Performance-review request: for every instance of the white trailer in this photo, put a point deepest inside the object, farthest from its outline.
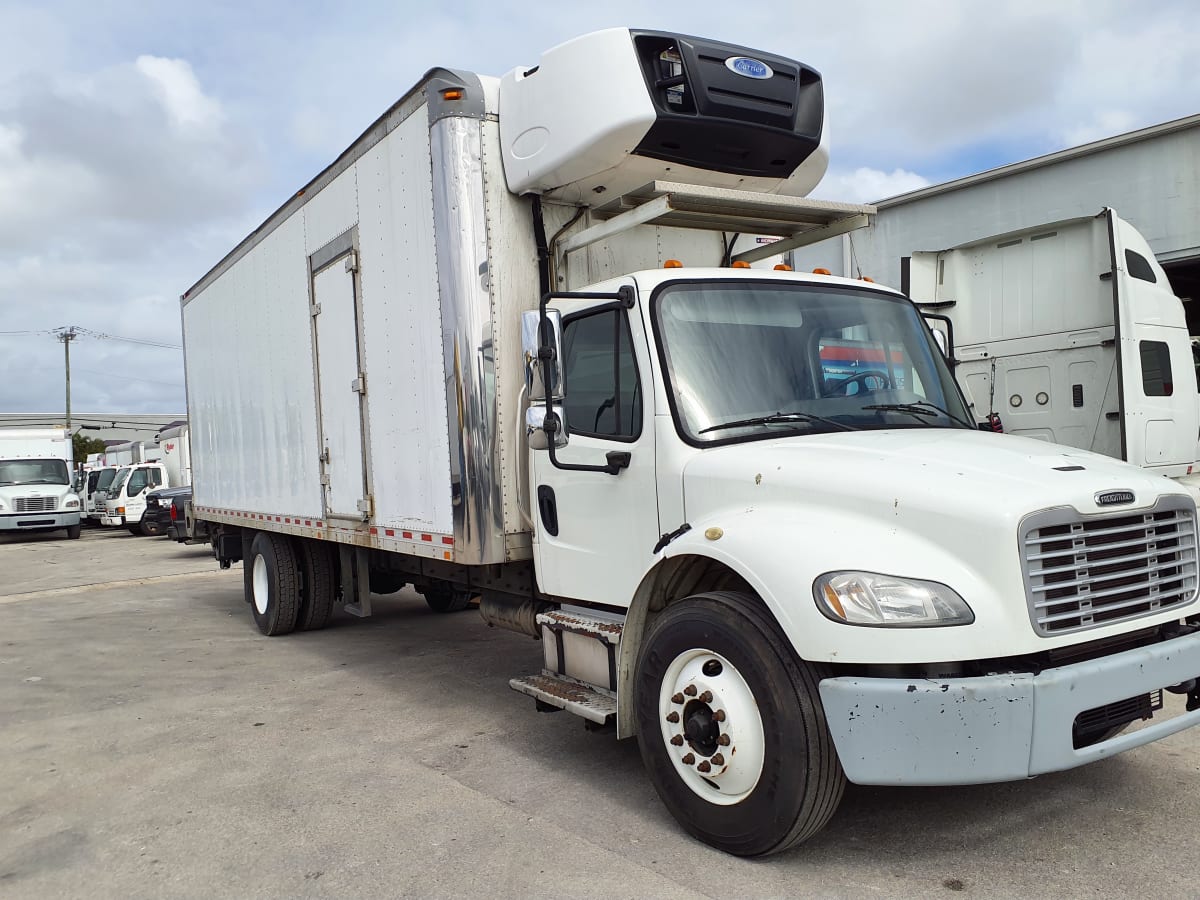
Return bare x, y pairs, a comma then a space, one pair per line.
36, 493
468, 357
1070, 333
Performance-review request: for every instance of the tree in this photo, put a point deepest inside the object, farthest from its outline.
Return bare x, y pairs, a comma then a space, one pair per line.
85, 445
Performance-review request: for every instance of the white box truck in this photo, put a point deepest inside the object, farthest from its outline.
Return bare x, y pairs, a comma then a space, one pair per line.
1070, 333
36, 493
469, 356
176, 454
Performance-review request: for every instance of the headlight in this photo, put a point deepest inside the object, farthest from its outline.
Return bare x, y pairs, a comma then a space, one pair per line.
865, 598
73, 503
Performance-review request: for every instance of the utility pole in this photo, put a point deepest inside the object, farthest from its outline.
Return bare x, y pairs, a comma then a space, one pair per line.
66, 335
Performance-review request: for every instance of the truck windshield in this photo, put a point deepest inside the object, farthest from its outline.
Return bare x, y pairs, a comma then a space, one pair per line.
105, 479
750, 360
118, 482
34, 471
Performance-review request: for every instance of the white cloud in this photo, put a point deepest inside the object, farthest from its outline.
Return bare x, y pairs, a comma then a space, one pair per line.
176, 85
864, 184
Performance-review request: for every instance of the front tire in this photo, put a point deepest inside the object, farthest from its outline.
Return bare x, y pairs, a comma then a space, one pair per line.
731, 728
273, 583
445, 599
73, 532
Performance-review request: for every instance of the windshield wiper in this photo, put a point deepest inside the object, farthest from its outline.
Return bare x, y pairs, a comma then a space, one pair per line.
779, 418
919, 408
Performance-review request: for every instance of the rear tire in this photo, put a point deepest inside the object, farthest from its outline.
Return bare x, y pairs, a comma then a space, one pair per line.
715, 676
447, 599
73, 532
273, 583
318, 584
381, 581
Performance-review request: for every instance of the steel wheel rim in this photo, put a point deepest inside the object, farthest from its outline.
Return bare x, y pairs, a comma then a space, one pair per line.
261, 585
711, 727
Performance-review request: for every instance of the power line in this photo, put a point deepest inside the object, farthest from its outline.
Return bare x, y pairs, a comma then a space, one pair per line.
116, 337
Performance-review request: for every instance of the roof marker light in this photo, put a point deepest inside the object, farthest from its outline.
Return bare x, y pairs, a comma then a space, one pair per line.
782, 268
820, 271
672, 264
452, 94
740, 264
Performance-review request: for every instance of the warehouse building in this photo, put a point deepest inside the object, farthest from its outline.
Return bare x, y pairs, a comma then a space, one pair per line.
1151, 177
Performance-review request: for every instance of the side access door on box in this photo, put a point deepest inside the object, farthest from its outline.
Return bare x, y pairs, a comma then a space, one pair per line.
341, 381
1070, 332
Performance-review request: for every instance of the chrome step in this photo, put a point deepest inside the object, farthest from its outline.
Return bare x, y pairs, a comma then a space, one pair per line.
569, 695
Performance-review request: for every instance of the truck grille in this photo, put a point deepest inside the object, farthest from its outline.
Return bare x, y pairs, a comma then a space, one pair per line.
1085, 572
34, 504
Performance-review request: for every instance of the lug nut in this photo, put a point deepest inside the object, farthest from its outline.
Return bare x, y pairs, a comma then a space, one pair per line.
719, 715
677, 698
718, 759
673, 717
706, 697
688, 760
723, 740
690, 690
677, 741
704, 767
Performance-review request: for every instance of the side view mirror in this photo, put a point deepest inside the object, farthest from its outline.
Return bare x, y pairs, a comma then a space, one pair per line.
537, 432
542, 345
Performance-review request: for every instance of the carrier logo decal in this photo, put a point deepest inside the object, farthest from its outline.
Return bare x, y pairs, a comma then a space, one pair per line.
1113, 498
750, 68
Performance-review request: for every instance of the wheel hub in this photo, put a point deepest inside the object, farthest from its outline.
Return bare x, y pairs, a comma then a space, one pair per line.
711, 726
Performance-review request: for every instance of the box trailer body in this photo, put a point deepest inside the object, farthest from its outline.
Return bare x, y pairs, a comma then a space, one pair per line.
1070, 332
176, 454
36, 492
739, 505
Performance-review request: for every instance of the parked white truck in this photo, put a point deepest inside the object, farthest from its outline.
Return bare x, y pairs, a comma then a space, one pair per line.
467, 357
125, 498
36, 493
1070, 332
176, 450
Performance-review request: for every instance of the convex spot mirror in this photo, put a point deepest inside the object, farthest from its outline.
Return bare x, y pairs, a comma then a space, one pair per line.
542, 346
536, 420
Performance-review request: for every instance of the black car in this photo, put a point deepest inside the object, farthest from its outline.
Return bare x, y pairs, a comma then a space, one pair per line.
164, 508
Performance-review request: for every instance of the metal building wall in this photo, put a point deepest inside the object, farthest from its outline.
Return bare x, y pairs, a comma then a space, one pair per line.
1151, 177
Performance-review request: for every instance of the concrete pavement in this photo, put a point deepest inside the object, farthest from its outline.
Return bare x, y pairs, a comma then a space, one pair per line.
153, 743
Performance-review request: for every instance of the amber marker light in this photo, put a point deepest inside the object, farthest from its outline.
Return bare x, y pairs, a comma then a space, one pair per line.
672, 264
835, 604
821, 272
452, 94
782, 268
740, 264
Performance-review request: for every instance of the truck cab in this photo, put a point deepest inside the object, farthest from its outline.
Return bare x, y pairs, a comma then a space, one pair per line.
36, 490
125, 501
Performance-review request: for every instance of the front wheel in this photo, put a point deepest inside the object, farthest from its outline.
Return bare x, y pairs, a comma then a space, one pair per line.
731, 727
73, 532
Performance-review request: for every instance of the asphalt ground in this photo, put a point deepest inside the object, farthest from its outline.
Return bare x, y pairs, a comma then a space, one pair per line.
154, 744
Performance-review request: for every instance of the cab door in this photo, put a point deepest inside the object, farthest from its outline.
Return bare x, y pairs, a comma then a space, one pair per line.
595, 532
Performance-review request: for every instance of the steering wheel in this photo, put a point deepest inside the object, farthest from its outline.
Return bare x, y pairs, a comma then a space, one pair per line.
859, 378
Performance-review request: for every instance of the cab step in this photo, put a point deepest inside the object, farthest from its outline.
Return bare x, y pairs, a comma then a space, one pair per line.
582, 644
564, 693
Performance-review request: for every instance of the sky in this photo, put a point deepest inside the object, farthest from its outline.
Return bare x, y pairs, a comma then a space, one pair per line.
140, 140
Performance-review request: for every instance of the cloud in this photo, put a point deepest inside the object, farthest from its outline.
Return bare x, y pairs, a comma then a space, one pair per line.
864, 184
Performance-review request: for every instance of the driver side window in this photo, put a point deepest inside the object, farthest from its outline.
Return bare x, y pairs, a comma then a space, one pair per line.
600, 377
137, 483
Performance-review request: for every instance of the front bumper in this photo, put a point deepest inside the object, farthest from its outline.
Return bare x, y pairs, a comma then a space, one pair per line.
112, 520
38, 520
997, 727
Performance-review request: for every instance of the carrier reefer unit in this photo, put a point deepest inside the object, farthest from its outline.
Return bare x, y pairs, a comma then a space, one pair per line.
36, 493
739, 505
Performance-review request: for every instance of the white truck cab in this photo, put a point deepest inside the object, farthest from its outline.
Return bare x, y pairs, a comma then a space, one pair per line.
36, 491
125, 500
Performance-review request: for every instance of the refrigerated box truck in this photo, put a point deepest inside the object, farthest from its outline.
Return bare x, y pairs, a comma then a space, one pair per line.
36, 493
518, 342
176, 454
